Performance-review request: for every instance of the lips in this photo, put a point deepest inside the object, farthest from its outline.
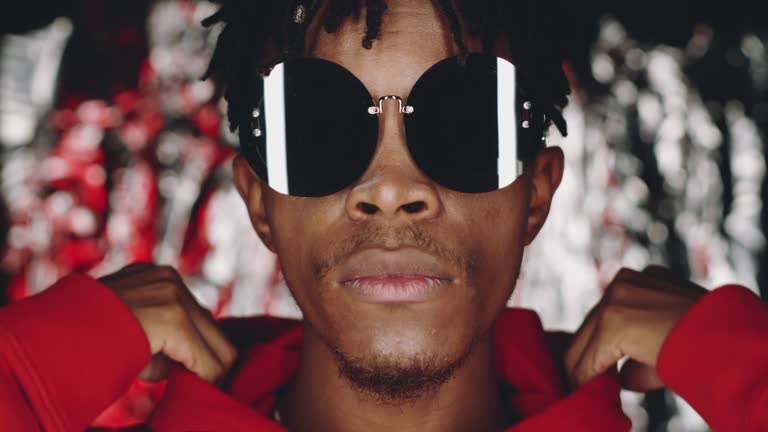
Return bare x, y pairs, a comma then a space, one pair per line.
394, 276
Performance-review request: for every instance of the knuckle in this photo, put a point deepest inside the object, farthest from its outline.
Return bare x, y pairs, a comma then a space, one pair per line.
172, 278
625, 272
618, 291
610, 293
167, 290
622, 290
613, 315
174, 313
167, 271
230, 356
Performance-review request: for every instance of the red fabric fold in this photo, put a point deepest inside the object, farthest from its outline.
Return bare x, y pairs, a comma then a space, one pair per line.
67, 353
523, 361
716, 358
72, 350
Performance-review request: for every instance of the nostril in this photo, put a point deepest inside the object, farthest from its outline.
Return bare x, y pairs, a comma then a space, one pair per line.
367, 208
414, 207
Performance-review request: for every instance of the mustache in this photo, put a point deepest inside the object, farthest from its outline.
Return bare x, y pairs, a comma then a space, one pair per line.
404, 236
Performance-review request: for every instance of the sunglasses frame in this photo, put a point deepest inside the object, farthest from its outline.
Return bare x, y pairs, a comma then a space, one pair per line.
510, 166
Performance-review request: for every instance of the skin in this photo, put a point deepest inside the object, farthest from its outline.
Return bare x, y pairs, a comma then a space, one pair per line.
633, 319
177, 327
479, 237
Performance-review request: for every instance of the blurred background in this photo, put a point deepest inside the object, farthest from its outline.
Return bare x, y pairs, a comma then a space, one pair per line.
112, 151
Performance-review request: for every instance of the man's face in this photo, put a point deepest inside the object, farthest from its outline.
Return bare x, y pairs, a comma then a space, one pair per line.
396, 274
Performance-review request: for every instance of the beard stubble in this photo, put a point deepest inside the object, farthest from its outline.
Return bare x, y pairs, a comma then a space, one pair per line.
395, 381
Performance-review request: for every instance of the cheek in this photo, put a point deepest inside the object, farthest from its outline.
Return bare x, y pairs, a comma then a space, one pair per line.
503, 234
495, 230
301, 229
485, 230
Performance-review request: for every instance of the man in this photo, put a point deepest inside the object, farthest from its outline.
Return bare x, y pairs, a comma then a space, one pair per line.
398, 181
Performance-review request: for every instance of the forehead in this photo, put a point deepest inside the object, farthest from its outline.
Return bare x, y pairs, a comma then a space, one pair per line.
414, 35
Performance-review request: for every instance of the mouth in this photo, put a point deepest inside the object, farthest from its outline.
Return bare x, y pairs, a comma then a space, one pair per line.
395, 276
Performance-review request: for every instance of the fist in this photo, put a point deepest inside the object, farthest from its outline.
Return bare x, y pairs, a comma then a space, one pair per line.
632, 320
176, 326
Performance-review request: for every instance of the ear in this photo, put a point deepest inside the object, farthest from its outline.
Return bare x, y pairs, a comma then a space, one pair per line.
250, 188
546, 176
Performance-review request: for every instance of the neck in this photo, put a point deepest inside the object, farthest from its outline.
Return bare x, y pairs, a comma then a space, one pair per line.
320, 398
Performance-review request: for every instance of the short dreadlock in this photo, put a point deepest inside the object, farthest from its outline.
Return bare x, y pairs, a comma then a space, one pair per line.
261, 33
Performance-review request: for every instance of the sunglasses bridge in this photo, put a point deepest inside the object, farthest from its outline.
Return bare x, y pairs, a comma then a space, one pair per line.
405, 109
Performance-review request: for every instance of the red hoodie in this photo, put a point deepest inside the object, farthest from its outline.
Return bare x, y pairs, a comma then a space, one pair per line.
69, 352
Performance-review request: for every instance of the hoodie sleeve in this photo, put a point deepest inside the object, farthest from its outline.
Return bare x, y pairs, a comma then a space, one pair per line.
716, 358
65, 355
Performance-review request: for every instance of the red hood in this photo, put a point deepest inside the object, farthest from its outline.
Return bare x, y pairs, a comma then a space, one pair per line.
527, 360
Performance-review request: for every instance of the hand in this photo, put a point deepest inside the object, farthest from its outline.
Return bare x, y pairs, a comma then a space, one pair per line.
633, 319
176, 326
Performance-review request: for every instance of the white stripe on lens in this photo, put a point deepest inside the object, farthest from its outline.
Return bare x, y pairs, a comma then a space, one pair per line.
274, 108
506, 100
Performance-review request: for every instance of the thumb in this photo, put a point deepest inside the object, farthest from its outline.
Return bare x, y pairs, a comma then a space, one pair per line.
639, 377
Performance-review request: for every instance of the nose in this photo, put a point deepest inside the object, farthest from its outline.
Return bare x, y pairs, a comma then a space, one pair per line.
392, 194
393, 186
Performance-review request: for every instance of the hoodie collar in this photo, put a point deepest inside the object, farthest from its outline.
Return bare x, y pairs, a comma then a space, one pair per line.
526, 362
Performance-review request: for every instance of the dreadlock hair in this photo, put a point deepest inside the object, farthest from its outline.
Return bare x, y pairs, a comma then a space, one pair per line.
262, 33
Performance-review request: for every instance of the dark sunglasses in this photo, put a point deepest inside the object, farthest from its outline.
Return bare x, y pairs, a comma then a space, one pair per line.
468, 126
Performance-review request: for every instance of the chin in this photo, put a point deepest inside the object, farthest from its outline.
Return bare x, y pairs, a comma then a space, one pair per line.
396, 351
400, 361
405, 332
